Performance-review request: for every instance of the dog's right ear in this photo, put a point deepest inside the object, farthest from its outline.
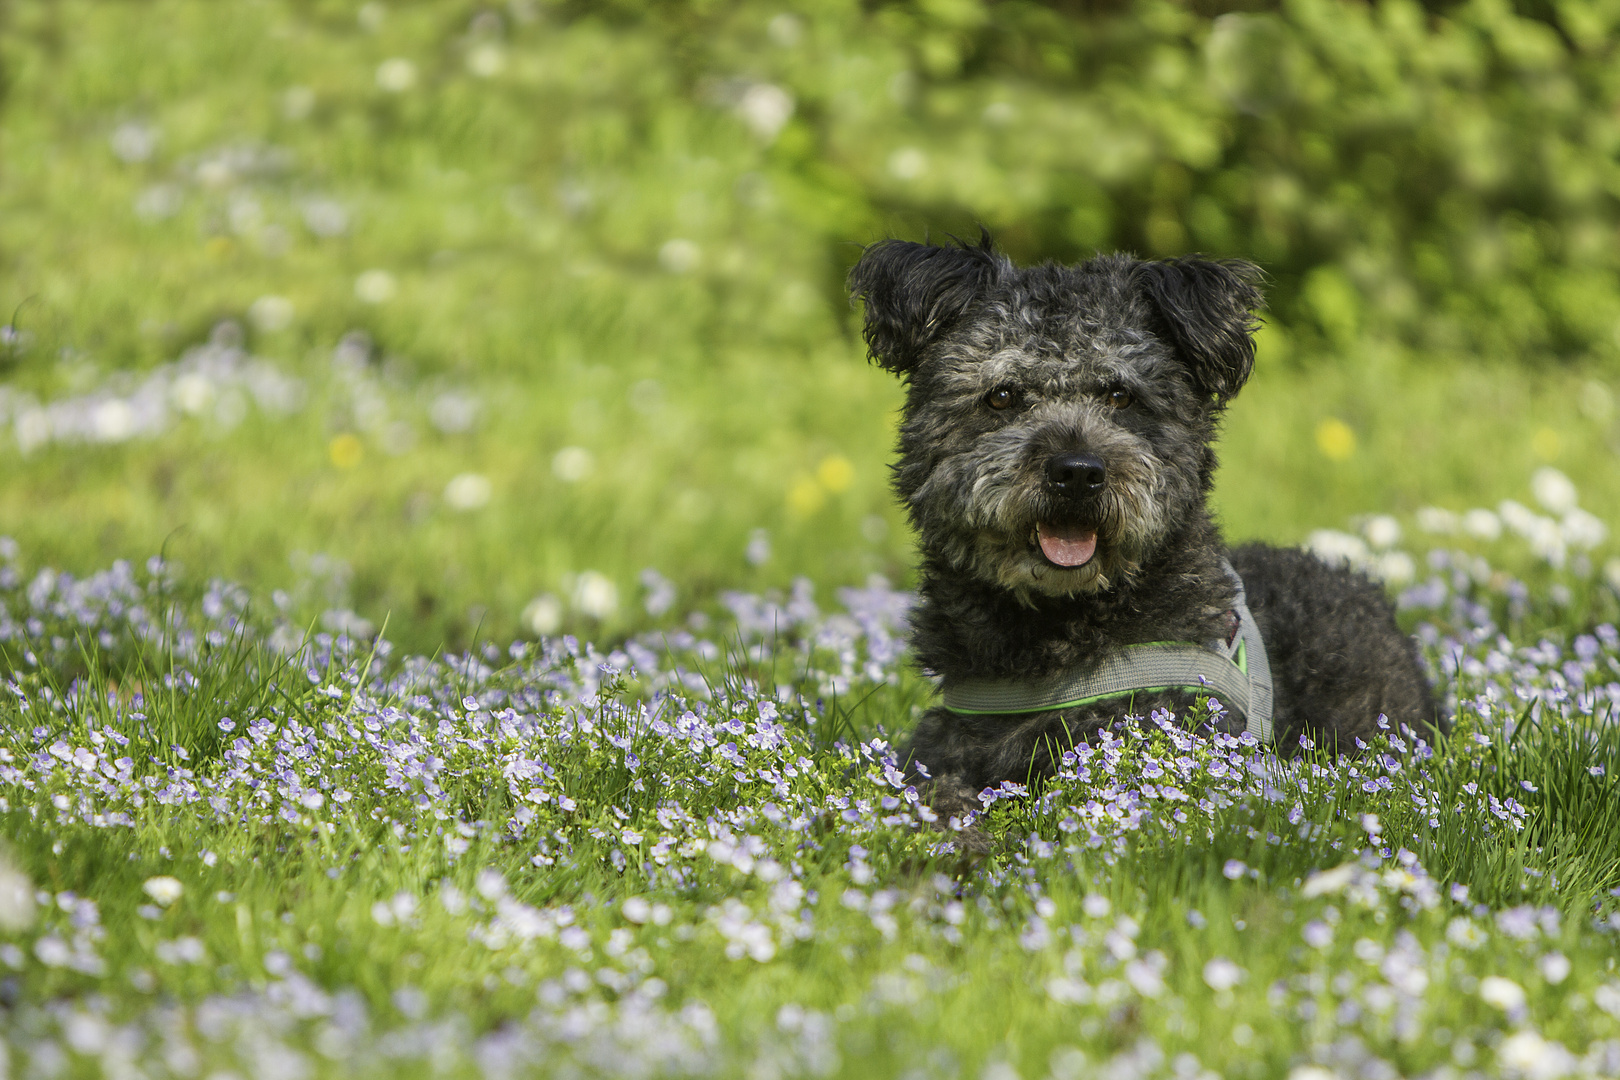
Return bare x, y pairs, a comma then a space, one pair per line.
913, 292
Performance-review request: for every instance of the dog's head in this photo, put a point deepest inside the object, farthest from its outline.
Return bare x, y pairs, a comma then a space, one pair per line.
1058, 419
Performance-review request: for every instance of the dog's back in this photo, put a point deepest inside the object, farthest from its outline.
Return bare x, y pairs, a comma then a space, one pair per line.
1338, 659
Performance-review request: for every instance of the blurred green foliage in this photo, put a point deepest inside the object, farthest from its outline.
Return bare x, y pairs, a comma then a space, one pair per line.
1444, 177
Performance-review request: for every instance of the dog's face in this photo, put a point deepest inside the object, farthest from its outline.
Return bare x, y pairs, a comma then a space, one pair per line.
1058, 419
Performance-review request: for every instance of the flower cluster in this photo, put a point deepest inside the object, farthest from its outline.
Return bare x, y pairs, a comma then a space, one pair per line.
217, 380
1461, 588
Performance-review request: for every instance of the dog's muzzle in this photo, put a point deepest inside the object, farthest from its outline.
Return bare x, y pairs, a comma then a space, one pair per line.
1074, 481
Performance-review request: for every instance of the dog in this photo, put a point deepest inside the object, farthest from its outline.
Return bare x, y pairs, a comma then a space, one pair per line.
1056, 458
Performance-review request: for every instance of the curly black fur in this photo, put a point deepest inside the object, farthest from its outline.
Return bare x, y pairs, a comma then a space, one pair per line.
1124, 366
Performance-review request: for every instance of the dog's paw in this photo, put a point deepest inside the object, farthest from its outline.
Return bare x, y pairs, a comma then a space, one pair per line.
956, 807
951, 797
972, 843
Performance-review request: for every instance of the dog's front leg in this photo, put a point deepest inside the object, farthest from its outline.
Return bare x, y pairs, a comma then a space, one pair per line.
934, 761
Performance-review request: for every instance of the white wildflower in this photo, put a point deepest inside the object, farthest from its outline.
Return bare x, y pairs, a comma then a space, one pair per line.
1317, 934
16, 898
572, 464
1395, 568
596, 596
1146, 975
375, 287
785, 30
1337, 548
271, 313
486, 60
908, 163
1527, 1054
1583, 530
1312, 1072
1382, 531
468, 491
403, 906
758, 552
134, 142
1067, 991
1555, 967
1481, 524
163, 889
679, 256
1553, 490
1327, 882
396, 75
1433, 519
454, 411
452, 899
1222, 974
490, 883
1505, 994
543, 615
1464, 933
766, 109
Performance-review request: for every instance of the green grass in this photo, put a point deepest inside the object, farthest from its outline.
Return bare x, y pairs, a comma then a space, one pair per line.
349, 930
721, 395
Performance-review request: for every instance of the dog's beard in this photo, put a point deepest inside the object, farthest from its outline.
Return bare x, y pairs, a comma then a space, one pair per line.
1035, 548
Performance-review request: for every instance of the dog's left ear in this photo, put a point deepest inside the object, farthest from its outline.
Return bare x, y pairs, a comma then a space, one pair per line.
1207, 308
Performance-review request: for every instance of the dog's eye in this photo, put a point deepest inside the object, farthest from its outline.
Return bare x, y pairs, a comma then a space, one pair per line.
1001, 397
1119, 399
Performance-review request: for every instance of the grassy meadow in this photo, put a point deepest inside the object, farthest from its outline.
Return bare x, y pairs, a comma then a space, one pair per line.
452, 611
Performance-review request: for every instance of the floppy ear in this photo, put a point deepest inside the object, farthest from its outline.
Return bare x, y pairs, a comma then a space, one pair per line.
913, 292
1207, 309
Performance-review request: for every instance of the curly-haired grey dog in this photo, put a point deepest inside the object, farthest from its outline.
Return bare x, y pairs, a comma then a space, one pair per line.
1055, 459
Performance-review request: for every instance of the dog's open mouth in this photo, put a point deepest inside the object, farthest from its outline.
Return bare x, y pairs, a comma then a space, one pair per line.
1068, 546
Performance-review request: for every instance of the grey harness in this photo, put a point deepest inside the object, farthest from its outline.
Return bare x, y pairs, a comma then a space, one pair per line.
1237, 672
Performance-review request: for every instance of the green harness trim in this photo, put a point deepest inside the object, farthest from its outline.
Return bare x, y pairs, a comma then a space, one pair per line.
1241, 659
1238, 673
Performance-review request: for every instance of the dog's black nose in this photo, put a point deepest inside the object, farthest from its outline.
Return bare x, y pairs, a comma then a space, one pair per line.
1076, 474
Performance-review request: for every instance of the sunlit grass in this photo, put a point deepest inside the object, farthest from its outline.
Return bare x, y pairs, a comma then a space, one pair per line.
629, 283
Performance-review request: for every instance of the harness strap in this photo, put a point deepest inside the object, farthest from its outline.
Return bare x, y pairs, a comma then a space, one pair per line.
1237, 672
1257, 714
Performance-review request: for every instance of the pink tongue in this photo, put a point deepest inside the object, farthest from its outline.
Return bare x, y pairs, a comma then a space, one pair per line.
1067, 545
